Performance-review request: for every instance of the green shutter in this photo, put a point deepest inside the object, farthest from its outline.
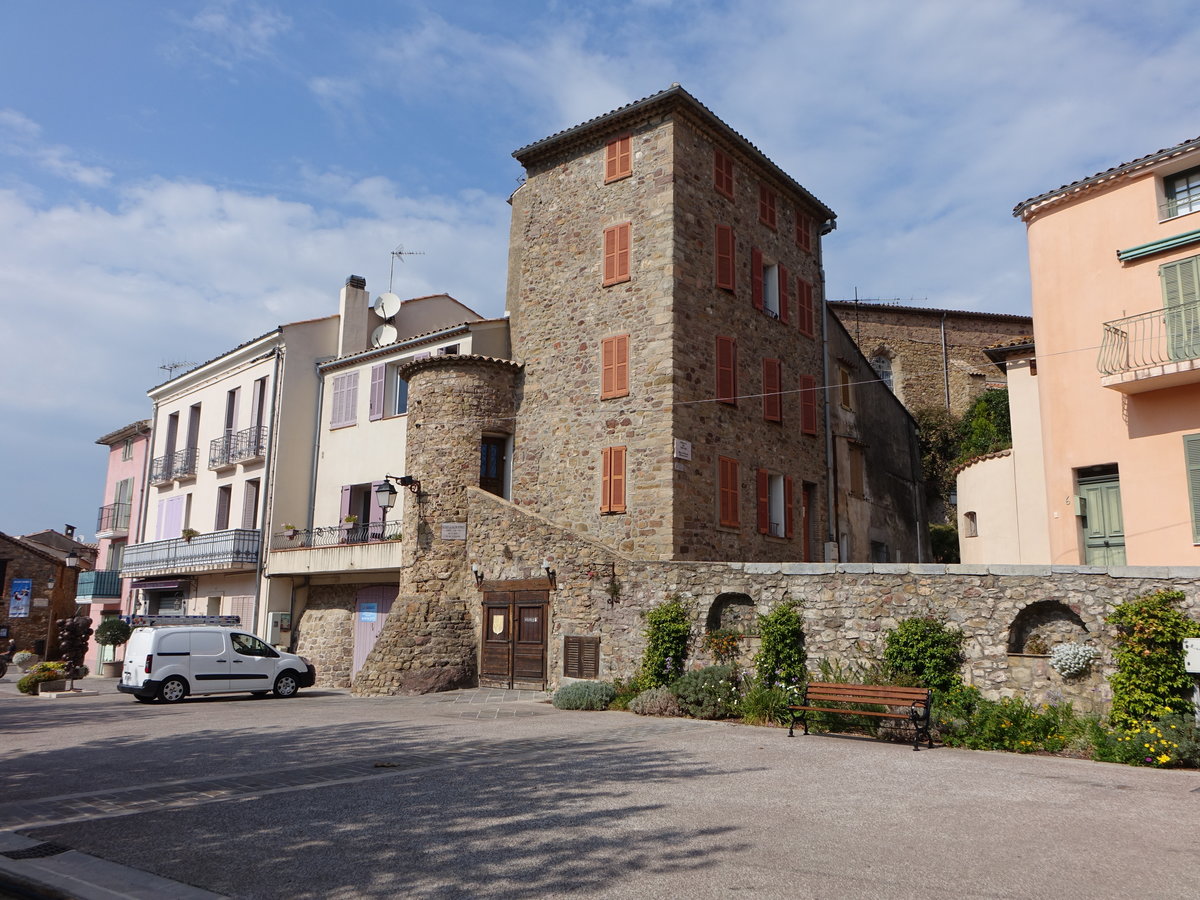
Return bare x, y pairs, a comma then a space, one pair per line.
1181, 297
1191, 454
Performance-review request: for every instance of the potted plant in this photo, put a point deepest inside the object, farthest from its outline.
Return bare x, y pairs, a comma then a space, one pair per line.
289, 530
188, 533
44, 678
112, 632
351, 519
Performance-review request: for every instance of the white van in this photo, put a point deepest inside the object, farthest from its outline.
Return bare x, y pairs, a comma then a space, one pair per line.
168, 663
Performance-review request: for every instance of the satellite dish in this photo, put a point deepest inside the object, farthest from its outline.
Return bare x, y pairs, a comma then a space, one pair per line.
384, 334
387, 305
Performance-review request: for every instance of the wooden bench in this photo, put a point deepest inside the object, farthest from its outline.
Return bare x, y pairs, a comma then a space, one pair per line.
819, 694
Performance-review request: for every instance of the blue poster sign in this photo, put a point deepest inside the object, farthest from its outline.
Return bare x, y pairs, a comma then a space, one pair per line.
18, 602
368, 612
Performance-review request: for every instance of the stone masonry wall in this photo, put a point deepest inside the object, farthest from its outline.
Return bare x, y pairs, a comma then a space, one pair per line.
848, 607
325, 632
429, 640
912, 337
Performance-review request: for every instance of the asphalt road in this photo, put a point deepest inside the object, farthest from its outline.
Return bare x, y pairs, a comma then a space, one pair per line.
484, 794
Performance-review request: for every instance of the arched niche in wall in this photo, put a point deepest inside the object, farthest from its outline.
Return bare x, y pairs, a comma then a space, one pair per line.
1050, 622
733, 611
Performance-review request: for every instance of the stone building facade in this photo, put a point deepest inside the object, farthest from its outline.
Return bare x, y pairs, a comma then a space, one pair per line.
930, 357
30, 621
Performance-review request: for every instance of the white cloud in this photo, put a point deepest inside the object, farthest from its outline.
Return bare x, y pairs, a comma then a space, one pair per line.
228, 33
21, 137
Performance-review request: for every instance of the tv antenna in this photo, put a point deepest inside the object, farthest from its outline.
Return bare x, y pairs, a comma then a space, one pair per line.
400, 253
170, 367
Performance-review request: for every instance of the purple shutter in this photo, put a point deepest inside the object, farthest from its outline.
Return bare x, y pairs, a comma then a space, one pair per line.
345, 502
376, 509
377, 374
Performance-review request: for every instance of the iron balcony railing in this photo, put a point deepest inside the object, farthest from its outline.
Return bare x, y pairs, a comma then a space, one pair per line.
174, 465
103, 583
1150, 339
235, 447
114, 517
232, 548
335, 535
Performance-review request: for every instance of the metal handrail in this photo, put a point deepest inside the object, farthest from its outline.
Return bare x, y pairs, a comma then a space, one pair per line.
234, 447
1152, 338
217, 548
336, 536
174, 465
113, 517
99, 583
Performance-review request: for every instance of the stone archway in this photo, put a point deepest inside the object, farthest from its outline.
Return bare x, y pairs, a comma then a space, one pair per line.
1049, 621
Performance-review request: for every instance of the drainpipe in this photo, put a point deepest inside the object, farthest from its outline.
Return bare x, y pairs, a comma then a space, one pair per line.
945, 362
312, 478
268, 489
145, 499
830, 460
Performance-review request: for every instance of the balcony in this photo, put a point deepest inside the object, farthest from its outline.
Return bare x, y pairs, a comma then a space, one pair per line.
248, 445
174, 466
1153, 350
113, 520
103, 584
235, 549
374, 547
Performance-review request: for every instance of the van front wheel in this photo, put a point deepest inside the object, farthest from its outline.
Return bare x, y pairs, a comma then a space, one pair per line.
144, 699
172, 690
286, 685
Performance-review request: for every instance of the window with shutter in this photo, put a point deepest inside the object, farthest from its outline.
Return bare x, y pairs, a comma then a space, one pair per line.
772, 385
612, 480
763, 486
756, 277
1182, 192
784, 295
344, 400
224, 497
1191, 452
581, 656
616, 253
250, 504
1181, 297
723, 173
618, 158
808, 404
726, 268
804, 231
614, 367
804, 302
727, 488
378, 374
766, 206
727, 370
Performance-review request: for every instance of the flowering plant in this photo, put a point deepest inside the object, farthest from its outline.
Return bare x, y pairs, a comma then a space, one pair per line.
1072, 660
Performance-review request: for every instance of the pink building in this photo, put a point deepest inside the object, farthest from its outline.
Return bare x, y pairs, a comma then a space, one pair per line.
103, 591
1115, 268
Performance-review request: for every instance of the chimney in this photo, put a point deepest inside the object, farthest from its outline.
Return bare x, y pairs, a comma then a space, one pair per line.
69, 531
354, 329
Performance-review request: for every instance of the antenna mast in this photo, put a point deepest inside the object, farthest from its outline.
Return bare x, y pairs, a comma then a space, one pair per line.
400, 253
170, 367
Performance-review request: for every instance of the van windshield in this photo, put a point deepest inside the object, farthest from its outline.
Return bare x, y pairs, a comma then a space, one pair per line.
250, 646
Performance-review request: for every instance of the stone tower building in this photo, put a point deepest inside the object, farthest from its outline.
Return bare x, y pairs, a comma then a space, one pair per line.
665, 298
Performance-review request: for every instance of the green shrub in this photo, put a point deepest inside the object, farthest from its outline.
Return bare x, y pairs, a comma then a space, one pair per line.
668, 633
781, 657
763, 705
657, 701
39, 674
112, 632
1149, 657
584, 695
626, 691
708, 693
925, 649
24, 660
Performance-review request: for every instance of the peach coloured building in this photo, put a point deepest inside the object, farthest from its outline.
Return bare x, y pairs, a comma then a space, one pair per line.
1115, 269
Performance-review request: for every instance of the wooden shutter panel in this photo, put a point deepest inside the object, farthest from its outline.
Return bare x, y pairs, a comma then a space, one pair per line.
808, 404
788, 507
727, 370
250, 504
616, 253
1181, 291
345, 504
617, 475
607, 367
804, 298
756, 278
224, 494
784, 298
618, 158
772, 385
581, 656
727, 487
377, 376
725, 258
764, 501
1191, 450
621, 365
606, 480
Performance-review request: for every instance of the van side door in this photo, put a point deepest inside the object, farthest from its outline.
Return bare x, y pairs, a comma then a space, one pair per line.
210, 662
253, 664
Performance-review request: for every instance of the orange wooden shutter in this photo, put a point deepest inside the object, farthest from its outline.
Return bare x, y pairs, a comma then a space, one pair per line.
788, 507
764, 502
808, 404
727, 476
621, 365
784, 299
756, 278
727, 370
804, 297
725, 261
607, 366
618, 158
616, 253
612, 480
772, 400
803, 231
766, 206
605, 479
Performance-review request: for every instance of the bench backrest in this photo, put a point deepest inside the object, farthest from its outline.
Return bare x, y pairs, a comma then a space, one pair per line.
884, 694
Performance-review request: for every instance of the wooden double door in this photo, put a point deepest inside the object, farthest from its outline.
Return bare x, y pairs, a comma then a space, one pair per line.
513, 648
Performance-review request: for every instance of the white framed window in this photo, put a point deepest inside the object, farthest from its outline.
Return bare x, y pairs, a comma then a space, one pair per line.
343, 407
970, 525
1182, 193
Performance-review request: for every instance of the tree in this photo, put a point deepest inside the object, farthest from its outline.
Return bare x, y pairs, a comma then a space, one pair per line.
986, 427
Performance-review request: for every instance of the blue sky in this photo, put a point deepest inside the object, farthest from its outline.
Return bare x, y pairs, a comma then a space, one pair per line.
176, 178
